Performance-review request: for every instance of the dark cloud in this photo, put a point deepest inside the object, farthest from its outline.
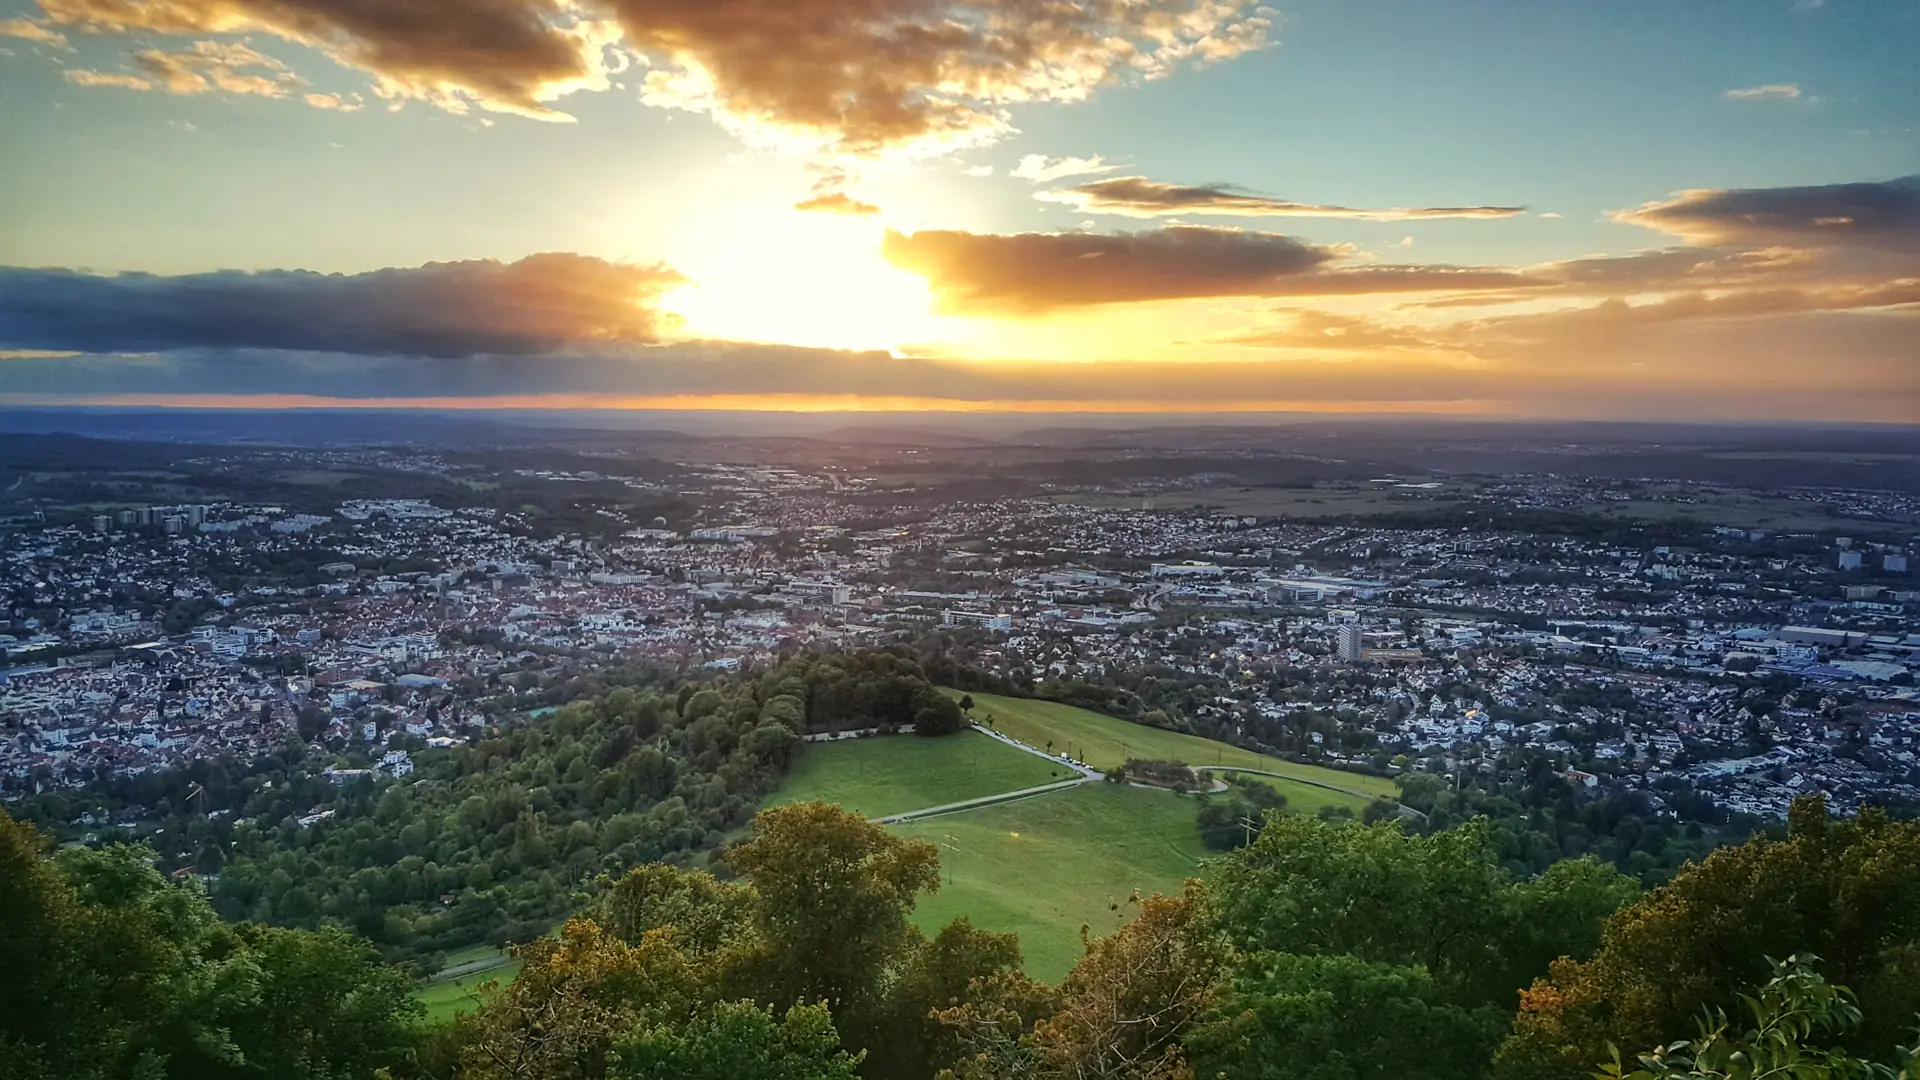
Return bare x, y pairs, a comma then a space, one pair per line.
854, 76
1030, 273
836, 202
869, 75
1383, 279
1882, 215
503, 54
538, 304
1027, 273
1737, 369
1137, 196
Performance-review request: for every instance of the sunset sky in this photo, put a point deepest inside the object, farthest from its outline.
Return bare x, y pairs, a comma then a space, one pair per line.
1700, 210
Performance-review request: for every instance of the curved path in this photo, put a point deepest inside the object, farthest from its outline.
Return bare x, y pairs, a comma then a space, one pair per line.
1086, 773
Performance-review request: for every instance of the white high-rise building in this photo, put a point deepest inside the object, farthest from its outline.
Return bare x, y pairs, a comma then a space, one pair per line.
1349, 643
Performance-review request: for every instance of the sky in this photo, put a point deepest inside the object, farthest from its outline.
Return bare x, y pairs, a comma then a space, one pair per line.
1636, 210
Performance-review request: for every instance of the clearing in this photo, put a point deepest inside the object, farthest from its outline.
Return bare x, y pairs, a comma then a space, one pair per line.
1106, 742
1046, 866
448, 998
890, 774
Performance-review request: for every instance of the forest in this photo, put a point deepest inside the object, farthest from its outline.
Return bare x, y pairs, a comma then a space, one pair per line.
667, 927
1332, 950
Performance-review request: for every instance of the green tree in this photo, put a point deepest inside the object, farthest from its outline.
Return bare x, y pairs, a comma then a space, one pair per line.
115, 971
831, 894
1795, 1008
1122, 1013
1848, 891
738, 1041
1340, 1018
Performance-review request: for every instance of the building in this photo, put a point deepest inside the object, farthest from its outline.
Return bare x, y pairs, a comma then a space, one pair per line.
1894, 564
1350, 643
1187, 569
830, 591
1849, 560
985, 619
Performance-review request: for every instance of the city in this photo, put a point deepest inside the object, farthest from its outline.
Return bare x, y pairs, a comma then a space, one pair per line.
1748, 666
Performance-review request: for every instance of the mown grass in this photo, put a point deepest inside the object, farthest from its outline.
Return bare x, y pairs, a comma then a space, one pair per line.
1045, 866
449, 998
1106, 742
889, 774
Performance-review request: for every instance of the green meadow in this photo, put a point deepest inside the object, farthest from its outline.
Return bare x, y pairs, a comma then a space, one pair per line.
1046, 866
1106, 742
890, 774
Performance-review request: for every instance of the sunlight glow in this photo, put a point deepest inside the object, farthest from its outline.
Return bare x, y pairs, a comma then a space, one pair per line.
775, 274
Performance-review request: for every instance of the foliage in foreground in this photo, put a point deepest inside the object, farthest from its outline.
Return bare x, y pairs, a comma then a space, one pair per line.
1797, 1007
1321, 951
109, 970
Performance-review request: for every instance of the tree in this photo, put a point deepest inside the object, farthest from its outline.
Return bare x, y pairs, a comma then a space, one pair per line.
576, 996
1848, 891
1439, 901
905, 1038
1794, 1008
966, 704
1228, 823
939, 716
831, 893
1340, 1018
738, 1041
112, 970
1120, 1014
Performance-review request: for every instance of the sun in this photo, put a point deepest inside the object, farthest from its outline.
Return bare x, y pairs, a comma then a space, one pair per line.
776, 274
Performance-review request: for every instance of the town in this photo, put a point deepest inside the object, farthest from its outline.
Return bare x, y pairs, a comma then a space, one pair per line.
1740, 665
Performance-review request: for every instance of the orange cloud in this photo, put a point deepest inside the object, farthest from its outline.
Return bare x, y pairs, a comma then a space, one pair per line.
83, 77
852, 77
508, 55
1137, 196
1028, 273
836, 202
213, 65
539, 304
1031, 273
865, 76
28, 30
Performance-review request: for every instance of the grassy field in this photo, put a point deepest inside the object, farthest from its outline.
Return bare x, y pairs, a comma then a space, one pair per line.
448, 999
893, 773
1043, 867
1105, 742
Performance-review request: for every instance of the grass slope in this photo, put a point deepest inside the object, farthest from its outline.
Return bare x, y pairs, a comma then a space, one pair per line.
451, 997
1105, 742
893, 773
1043, 867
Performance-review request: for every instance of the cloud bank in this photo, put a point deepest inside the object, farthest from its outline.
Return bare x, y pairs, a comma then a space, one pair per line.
852, 77
1770, 306
1137, 196
1027, 273
836, 202
539, 304
1875, 215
